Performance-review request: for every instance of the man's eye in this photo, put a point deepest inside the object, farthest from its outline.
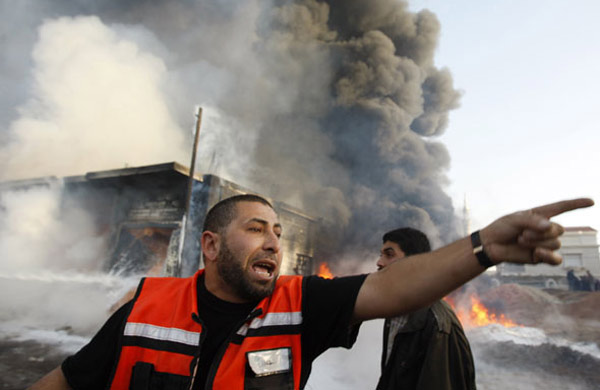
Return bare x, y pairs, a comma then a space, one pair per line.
254, 229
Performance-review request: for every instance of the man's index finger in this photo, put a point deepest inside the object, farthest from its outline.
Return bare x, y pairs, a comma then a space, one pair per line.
553, 209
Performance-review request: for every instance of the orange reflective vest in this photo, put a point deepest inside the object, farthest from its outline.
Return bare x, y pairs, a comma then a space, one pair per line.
162, 338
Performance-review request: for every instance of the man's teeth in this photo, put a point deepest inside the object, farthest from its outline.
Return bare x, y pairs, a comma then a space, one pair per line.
261, 269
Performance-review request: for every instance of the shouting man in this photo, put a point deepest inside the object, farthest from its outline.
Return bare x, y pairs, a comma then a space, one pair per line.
237, 324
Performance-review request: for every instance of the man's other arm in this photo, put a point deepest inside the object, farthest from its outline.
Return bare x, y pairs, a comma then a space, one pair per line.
522, 237
54, 380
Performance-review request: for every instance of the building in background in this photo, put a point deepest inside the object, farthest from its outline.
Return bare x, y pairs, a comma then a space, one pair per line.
149, 229
580, 256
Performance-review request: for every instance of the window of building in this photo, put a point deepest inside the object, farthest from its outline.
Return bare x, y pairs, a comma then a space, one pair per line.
572, 260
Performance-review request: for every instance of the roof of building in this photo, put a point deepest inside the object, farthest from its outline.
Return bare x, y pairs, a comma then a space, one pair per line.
168, 169
580, 229
131, 171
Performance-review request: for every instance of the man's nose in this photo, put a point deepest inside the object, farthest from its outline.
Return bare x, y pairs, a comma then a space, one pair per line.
380, 263
272, 242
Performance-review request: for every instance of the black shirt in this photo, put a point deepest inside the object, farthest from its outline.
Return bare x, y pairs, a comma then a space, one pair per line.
219, 319
327, 307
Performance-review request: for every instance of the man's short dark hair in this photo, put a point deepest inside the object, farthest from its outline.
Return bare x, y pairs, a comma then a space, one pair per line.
221, 214
411, 241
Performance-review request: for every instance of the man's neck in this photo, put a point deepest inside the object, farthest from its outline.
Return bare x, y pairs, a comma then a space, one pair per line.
220, 289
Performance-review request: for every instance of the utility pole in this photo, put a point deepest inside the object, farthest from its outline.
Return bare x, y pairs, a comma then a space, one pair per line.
188, 200
193, 164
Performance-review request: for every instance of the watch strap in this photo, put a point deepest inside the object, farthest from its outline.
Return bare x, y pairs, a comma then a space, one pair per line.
479, 252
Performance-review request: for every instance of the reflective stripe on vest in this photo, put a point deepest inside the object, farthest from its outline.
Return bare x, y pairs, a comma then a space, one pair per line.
162, 333
271, 319
160, 330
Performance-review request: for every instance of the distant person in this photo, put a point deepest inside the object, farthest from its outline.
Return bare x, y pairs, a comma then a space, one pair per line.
573, 280
426, 349
589, 281
237, 324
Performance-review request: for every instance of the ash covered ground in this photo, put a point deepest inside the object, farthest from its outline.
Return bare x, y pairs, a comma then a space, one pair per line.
557, 348
22, 362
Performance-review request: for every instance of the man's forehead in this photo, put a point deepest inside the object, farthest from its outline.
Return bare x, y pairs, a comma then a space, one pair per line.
389, 245
248, 211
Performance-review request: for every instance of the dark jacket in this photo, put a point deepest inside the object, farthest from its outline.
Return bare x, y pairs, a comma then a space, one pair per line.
430, 352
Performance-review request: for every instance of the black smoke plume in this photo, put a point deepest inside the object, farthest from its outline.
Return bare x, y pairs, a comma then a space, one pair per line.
332, 106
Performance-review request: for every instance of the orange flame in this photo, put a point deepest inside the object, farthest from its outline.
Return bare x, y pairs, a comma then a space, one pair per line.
478, 314
324, 271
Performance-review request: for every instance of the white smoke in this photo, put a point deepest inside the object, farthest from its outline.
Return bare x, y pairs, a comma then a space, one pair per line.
223, 151
96, 103
51, 258
36, 233
357, 368
47, 301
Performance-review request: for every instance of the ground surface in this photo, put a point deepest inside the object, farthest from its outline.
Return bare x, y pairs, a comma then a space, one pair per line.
571, 314
501, 364
23, 362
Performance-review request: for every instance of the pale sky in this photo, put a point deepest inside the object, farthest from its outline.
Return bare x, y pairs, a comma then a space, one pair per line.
527, 131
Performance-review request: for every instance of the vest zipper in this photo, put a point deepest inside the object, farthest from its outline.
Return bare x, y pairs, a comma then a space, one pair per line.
215, 364
196, 361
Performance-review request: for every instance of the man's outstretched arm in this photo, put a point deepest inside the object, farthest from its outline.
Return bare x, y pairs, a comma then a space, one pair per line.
522, 237
54, 380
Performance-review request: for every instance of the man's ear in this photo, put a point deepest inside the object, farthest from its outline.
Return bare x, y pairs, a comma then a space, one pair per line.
211, 244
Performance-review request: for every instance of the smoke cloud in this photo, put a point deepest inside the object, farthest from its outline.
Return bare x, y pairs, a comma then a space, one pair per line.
90, 88
332, 106
51, 259
39, 232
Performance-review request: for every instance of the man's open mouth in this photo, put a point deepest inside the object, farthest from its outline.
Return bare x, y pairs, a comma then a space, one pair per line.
264, 269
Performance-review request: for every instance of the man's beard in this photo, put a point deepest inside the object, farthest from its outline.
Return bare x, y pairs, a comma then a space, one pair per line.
231, 271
